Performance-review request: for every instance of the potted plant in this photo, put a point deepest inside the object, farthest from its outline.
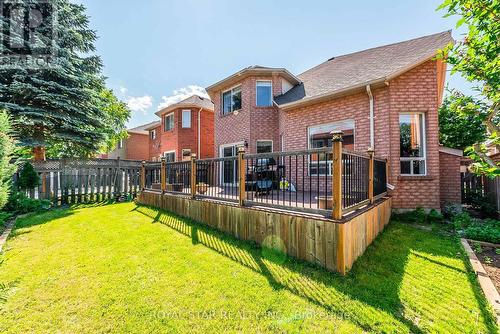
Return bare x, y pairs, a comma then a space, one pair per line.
201, 188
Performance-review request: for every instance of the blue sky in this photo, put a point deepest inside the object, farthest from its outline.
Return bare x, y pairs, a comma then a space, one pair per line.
157, 51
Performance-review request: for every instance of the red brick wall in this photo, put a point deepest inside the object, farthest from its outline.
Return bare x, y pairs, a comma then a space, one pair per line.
450, 178
155, 145
413, 91
187, 138
137, 147
207, 135
252, 123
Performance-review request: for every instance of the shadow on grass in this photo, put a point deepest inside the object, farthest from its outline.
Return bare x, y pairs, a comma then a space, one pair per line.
367, 296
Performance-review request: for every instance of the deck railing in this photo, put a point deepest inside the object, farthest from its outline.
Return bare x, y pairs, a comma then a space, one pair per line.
327, 181
299, 180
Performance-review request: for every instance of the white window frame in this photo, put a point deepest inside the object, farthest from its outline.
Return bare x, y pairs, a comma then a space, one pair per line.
185, 111
120, 143
424, 147
152, 134
270, 96
168, 152
328, 162
222, 99
165, 122
264, 141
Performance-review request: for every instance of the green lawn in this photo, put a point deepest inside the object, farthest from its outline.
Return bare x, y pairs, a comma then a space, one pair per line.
123, 268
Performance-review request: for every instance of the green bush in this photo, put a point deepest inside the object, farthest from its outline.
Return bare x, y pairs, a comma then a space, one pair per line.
4, 216
487, 230
7, 169
19, 203
481, 203
418, 216
450, 210
28, 177
462, 221
435, 217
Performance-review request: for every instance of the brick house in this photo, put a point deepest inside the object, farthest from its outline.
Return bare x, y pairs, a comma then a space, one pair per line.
184, 128
134, 147
386, 98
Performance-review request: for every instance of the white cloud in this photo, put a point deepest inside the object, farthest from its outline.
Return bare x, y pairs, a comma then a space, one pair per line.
140, 103
181, 94
123, 90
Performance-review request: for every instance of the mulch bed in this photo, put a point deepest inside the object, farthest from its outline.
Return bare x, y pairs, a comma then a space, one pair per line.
489, 259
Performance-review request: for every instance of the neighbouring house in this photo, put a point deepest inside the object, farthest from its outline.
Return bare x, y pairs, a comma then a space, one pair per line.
185, 128
385, 98
135, 146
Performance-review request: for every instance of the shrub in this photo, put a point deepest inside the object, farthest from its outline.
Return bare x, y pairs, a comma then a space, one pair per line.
450, 210
420, 216
487, 230
28, 177
7, 169
4, 216
462, 220
435, 217
19, 203
481, 203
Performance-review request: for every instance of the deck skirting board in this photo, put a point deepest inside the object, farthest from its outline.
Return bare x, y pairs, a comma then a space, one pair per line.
334, 245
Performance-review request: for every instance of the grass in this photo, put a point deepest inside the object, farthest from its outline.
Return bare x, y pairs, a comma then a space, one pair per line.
124, 268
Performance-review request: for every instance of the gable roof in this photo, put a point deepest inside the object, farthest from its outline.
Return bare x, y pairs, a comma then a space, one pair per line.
252, 70
143, 129
194, 101
358, 69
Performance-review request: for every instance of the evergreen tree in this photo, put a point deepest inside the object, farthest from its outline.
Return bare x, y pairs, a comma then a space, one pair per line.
59, 103
7, 169
28, 177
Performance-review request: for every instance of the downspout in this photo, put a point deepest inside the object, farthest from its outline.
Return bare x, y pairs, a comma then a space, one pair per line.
199, 133
372, 118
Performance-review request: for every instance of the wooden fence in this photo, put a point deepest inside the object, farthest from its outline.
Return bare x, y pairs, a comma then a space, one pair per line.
68, 181
490, 188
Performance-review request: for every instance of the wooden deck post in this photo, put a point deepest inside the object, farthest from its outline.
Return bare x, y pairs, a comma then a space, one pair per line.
193, 175
143, 175
337, 174
163, 175
371, 167
242, 175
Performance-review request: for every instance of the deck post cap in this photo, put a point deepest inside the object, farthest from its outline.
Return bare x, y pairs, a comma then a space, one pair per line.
337, 135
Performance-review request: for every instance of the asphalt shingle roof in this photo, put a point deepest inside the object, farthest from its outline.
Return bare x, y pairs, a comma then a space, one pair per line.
143, 128
362, 67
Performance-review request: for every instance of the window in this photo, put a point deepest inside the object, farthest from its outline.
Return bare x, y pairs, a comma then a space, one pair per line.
186, 154
152, 134
264, 146
264, 94
412, 144
169, 122
120, 143
186, 118
231, 100
169, 156
320, 137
